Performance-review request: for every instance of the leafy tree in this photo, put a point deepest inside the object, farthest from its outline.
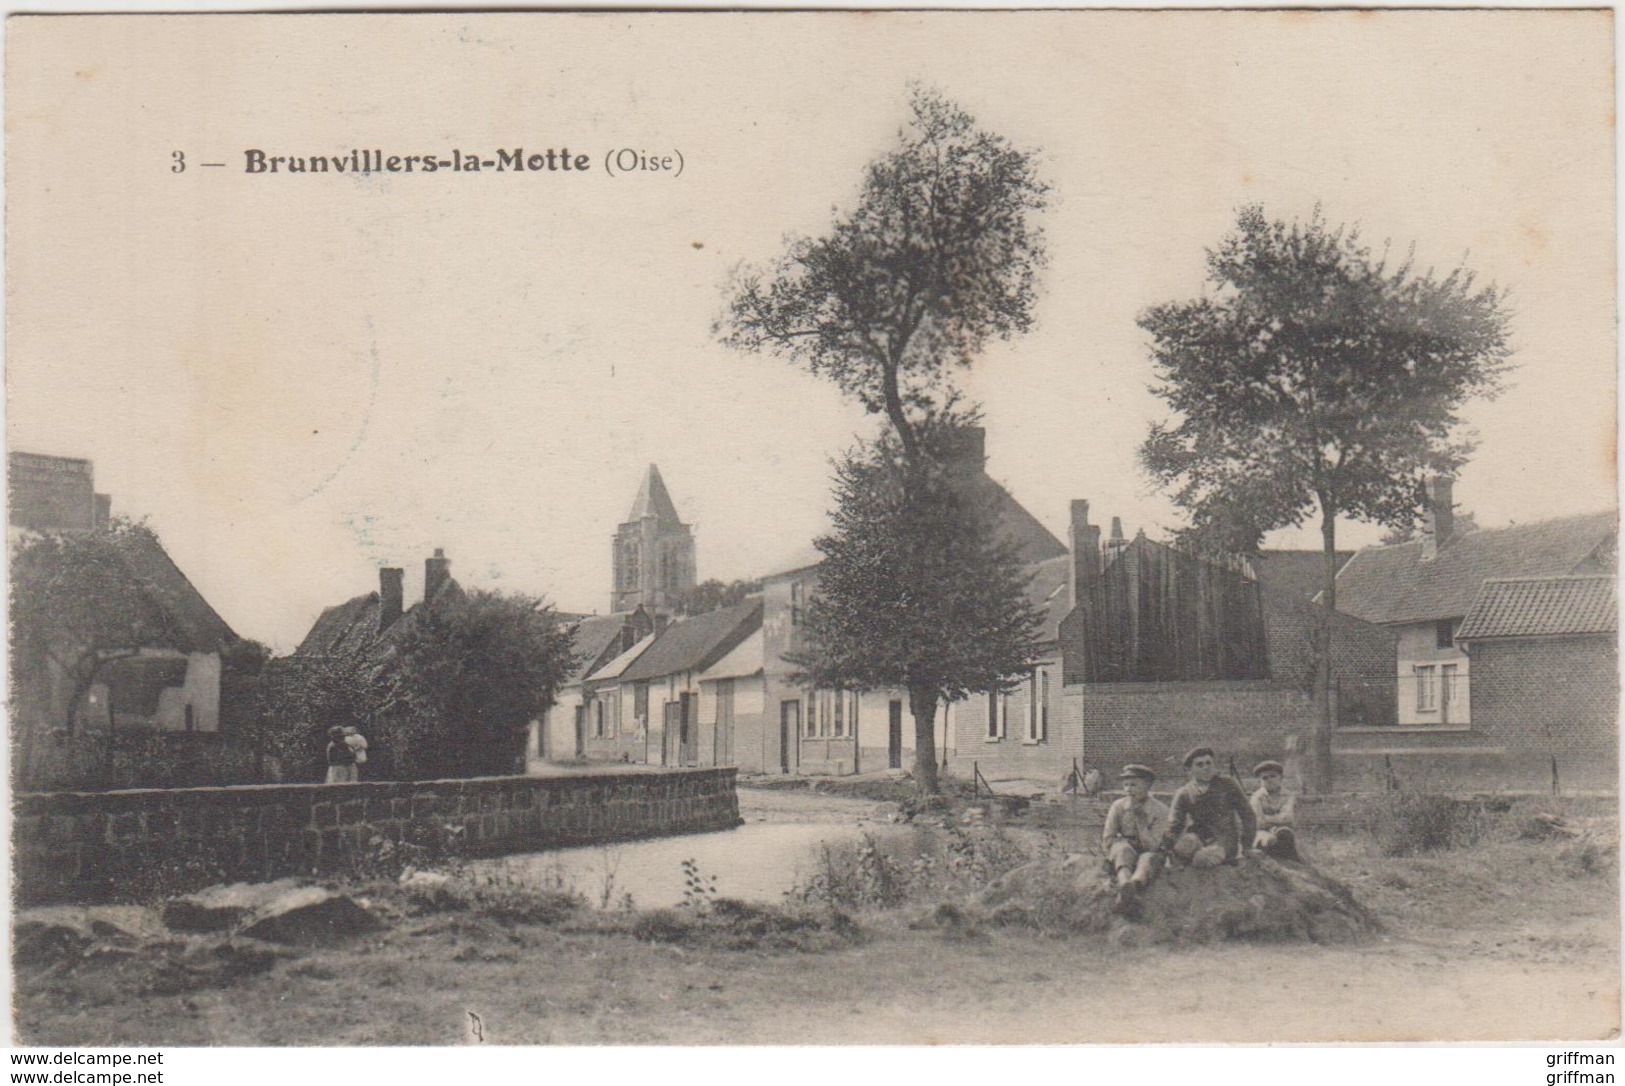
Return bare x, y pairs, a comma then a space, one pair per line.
917, 588
713, 595
940, 254
466, 679
76, 606
1315, 379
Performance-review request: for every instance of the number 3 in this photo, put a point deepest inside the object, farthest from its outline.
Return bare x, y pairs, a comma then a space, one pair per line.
180, 163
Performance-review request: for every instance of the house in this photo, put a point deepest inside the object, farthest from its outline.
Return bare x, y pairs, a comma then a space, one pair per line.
1152, 651
670, 694
1423, 590
141, 654
844, 731
1545, 661
585, 720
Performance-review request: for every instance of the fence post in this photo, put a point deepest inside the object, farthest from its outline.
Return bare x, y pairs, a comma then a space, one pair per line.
1554, 774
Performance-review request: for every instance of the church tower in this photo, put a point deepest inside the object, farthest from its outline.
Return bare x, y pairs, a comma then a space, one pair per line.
654, 551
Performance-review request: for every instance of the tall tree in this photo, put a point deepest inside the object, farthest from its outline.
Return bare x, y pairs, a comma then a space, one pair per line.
917, 589
940, 255
1315, 379
466, 679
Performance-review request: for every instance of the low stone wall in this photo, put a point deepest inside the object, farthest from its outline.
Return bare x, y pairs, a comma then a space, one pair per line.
89, 846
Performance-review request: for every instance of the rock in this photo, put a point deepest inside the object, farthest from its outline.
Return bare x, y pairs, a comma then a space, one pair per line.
310, 914
972, 816
424, 880
221, 908
45, 942
284, 911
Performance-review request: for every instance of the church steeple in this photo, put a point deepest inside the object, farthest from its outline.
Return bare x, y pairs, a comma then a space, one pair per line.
653, 551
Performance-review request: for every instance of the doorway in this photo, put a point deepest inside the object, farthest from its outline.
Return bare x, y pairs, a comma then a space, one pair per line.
894, 735
789, 729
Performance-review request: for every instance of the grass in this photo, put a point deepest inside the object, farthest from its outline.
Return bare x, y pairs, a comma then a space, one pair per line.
898, 959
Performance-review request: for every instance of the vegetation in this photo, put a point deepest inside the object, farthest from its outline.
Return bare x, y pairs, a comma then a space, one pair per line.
940, 255
466, 679
1315, 378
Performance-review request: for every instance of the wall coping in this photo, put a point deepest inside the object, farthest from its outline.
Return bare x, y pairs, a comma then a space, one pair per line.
1193, 686
1404, 729
362, 788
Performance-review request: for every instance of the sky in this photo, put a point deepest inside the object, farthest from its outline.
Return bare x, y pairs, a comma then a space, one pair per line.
298, 379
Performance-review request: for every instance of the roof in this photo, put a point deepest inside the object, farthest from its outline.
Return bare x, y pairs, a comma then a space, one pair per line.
745, 659
1300, 572
653, 500
1033, 542
1543, 607
696, 643
594, 637
1048, 591
199, 626
1394, 585
352, 626
617, 666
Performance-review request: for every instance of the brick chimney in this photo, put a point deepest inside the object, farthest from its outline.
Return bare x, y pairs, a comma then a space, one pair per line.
1116, 544
436, 572
391, 596
1439, 520
104, 510
1083, 540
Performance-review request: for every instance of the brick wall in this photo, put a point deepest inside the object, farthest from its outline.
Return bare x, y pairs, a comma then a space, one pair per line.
1156, 723
1533, 700
91, 846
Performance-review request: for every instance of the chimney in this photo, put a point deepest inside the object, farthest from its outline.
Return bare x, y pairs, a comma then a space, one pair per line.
969, 449
391, 596
436, 572
104, 510
1083, 540
1116, 544
1439, 520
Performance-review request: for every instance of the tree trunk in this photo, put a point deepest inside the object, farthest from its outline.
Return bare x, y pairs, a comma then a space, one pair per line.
922, 702
1320, 740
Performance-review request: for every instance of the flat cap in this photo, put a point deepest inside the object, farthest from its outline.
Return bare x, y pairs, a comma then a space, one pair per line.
1268, 767
1195, 753
1136, 771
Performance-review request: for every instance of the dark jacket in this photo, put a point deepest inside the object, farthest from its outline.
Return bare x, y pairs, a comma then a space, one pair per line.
339, 753
1212, 815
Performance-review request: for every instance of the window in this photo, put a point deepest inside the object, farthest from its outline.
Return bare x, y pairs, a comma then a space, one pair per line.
997, 711
191, 718
640, 705
1427, 690
1444, 633
812, 714
1038, 706
797, 602
598, 719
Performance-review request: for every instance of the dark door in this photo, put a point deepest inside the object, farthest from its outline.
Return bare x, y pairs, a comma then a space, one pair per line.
894, 736
789, 729
581, 731
670, 734
688, 730
723, 752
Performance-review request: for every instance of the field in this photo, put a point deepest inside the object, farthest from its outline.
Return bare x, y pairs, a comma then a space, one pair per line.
1512, 938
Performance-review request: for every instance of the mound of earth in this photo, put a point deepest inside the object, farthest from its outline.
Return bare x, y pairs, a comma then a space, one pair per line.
1256, 899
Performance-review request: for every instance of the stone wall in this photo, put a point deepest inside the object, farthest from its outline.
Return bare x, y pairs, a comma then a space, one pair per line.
95, 846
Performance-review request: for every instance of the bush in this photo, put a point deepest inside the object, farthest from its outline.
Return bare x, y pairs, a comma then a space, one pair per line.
1406, 823
928, 865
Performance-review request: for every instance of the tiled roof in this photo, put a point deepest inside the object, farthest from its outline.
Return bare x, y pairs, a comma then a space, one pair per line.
1301, 572
352, 626
594, 637
1394, 584
1543, 607
696, 643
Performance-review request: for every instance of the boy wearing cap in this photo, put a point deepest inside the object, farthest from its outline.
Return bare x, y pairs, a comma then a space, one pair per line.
1211, 818
1134, 827
1276, 809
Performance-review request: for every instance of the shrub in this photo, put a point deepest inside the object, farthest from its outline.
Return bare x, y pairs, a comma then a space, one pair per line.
1406, 823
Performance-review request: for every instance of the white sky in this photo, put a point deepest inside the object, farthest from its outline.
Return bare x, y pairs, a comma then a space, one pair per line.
298, 379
